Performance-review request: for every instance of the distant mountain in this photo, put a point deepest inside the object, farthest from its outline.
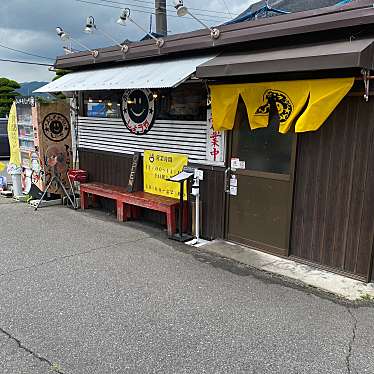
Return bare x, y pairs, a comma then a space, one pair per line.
27, 89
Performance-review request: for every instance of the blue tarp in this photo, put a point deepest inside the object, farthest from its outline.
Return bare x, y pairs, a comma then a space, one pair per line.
267, 11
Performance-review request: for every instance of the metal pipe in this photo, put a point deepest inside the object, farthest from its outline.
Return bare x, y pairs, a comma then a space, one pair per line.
198, 20
94, 52
159, 41
197, 215
123, 47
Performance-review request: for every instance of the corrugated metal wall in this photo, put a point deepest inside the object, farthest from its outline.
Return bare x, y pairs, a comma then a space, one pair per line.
333, 221
102, 134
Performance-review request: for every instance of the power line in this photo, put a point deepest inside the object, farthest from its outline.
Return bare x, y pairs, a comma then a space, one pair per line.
224, 1
26, 53
198, 9
206, 11
134, 10
24, 62
150, 11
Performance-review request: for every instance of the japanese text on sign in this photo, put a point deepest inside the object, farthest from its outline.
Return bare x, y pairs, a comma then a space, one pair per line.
215, 142
160, 166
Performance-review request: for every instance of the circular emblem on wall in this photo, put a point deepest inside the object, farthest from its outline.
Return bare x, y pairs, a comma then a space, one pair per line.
56, 127
138, 110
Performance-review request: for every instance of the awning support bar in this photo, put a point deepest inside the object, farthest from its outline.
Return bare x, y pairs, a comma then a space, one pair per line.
366, 77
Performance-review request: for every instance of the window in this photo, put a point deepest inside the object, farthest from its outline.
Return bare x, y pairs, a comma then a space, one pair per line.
263, 149
187, 102
105, 104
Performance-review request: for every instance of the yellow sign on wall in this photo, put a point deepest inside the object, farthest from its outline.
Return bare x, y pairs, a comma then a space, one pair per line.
158, 167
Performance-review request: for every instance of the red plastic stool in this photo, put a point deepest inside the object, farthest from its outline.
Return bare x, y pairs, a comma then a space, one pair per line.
76, 175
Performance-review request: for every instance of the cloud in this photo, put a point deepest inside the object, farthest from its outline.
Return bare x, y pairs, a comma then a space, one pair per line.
30, 26
25, 73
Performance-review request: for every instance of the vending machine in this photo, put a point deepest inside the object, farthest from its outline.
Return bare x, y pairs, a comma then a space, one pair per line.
44, 133
26, 135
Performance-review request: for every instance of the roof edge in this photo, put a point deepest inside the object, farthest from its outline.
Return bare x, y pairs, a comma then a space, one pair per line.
358, 13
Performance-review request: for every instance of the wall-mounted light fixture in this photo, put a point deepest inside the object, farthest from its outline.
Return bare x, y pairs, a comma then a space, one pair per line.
91, 27
183, 11
125, 16
66, 37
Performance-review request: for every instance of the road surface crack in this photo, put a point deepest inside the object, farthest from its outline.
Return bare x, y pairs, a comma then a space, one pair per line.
351, 342
56, 259
52, 365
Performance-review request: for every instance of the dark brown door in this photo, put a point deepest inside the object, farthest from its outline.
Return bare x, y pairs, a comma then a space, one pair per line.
260, 214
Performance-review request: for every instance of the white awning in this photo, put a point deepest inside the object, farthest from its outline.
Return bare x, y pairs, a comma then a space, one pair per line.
157, 74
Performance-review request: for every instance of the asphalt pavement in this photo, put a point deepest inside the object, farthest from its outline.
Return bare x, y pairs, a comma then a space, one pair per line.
81, 293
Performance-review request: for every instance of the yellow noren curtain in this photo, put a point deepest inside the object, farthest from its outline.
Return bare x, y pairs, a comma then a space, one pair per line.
305, 103
325, 95
224, 105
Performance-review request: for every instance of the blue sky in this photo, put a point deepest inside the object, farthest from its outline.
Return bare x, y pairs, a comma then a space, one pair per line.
29, 25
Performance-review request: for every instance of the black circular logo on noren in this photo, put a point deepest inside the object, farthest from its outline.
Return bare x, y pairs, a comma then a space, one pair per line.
138, 110
56, 127
283, 104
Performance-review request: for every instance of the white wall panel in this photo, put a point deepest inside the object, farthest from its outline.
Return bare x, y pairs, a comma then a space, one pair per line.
110, 134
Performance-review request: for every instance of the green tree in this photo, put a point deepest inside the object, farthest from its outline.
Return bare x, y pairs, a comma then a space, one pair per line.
7, 95
60, 73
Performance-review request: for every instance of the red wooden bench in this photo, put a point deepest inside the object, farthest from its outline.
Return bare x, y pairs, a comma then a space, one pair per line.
126, 200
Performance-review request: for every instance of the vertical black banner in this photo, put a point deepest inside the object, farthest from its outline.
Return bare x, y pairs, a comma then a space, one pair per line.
134, 168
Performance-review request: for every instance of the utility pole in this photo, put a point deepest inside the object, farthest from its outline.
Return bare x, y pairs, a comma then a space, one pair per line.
161, 20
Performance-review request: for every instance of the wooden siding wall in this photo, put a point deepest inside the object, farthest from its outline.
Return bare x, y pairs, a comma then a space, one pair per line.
110, 134
333, 221
113, 168
213, 200
110, 168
